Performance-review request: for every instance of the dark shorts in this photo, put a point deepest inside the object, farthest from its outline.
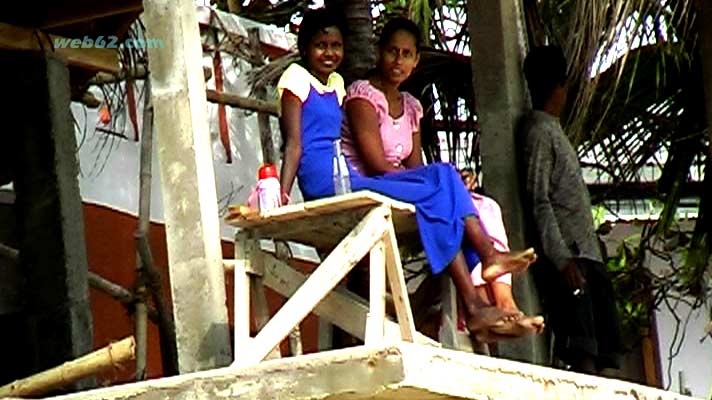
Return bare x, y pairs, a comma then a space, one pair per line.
586, 325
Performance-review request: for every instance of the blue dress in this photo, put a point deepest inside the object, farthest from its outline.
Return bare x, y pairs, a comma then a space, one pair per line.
440, 198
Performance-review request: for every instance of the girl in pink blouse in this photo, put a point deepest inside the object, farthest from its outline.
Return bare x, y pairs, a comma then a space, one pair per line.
381, 134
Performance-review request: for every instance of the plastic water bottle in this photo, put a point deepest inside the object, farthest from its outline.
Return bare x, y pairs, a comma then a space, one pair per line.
269, 192
342, 180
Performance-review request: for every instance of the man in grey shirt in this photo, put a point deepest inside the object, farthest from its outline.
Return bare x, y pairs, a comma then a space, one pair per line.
577, 292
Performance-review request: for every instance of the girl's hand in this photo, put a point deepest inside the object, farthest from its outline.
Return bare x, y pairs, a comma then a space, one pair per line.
285, 198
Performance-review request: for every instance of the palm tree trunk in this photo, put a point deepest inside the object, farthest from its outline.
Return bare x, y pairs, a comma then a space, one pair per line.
359, 52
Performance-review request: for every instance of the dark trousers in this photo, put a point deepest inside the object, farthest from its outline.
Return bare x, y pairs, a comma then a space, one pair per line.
586, 325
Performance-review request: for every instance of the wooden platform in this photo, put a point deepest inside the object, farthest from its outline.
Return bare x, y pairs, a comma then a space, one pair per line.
347, 227
397, 371
323, 223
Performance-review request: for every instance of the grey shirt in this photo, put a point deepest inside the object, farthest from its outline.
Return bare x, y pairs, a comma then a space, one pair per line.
561, 207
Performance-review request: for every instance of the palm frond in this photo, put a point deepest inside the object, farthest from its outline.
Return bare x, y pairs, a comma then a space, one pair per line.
420, 12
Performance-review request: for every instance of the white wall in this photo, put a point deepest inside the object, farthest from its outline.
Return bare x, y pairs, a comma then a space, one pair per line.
694, 358
110, 164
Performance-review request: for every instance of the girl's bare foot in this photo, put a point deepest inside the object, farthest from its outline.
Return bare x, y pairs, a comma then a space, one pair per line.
503, 263
522, 326
488, 317
533, 324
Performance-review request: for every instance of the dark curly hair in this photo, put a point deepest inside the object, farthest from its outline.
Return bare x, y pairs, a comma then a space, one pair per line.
315, 21
545, 69
400, 24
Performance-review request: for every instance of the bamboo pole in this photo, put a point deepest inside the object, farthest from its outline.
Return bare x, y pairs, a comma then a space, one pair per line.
119, 293
146, 272
263, 122
100, 360
246, 103
139, 72
213, 96
144, 215
166, 325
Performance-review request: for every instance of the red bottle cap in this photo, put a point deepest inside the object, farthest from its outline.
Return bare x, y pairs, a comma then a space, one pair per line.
267, 171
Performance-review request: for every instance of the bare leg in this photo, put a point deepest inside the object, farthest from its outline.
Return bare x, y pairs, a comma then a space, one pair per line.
484, 295
478, 314
502, 294
524, 324
494, 263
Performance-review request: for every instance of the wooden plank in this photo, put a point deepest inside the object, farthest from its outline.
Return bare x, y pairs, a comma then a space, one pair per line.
322, 232
377, 295
341, 307
259, 305
325, 340
261, 310
399, 291
244, 246
19, 38
295, 341
317, 286
322, 223
245, 103
327, 205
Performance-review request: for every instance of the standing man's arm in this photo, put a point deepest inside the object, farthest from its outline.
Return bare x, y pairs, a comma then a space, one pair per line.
540, 164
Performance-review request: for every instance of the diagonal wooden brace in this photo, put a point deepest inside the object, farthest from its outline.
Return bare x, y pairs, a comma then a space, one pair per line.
339, 262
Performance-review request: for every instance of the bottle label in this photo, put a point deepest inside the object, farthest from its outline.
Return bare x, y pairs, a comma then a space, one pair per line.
269, 194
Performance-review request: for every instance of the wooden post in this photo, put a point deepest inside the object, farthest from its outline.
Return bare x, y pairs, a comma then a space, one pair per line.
254, 266
268, 149
244, 246
188, 185
399, 291
377, 295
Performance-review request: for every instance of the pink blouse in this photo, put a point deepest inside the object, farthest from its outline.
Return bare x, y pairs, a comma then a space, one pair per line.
396, 133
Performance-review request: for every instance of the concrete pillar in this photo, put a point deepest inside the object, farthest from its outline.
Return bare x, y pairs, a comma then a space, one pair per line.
188, 185
498, 48
50, 226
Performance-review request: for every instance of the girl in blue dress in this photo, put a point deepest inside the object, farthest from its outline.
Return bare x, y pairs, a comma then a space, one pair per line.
311, 93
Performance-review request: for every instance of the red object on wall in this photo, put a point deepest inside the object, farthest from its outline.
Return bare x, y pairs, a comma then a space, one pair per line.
131, 103
104, 114
222, 113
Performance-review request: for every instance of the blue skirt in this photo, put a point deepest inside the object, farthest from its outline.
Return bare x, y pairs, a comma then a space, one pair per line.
436, 190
